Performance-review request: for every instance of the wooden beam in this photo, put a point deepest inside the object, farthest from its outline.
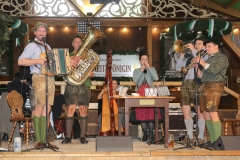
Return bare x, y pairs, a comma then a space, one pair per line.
72, 21
230, 3
231, 92
234, 48
108, 22
214, 6
149, 41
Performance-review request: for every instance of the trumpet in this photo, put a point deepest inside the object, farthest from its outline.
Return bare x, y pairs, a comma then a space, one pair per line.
200, 53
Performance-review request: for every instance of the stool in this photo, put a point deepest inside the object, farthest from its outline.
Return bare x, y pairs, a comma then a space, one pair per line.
227, 121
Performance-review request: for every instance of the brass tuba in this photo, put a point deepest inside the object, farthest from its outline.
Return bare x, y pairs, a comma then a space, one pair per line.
88, 58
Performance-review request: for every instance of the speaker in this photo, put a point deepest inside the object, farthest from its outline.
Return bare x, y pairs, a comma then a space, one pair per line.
227, 143
114, 143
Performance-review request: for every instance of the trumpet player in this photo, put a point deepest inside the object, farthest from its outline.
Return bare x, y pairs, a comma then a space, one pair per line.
212, 76
188, 91
77, 96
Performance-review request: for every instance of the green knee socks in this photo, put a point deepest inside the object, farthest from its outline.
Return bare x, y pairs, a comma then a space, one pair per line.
43, 129
210, 130
217, 127
39, 128
37, 133
214, 129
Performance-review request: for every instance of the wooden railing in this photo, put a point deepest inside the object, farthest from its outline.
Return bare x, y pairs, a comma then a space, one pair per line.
62, 85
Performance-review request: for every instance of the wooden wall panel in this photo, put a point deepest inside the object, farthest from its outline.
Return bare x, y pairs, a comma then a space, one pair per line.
118, 39
229, 102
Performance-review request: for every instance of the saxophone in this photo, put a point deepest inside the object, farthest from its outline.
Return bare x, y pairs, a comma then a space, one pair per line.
201, 53
88, 58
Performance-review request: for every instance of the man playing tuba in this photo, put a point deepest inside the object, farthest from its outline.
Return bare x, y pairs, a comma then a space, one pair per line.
77, 96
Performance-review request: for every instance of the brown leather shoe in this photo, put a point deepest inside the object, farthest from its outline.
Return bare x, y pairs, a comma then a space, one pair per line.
38, 145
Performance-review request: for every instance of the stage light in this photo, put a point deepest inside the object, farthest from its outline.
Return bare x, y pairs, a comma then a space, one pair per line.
89, 14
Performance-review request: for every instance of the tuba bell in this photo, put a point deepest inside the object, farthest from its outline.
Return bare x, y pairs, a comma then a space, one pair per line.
88, 58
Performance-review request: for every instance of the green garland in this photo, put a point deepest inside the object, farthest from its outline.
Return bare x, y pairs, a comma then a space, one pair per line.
188, 30
119, 52
59, 78
20, 31
5, 22
117, 78
10, 59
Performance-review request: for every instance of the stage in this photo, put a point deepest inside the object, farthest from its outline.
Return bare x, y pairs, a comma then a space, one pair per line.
141, 151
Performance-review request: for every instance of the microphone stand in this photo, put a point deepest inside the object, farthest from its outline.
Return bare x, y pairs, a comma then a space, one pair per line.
188, 146
196, 143
162, 75
47, 67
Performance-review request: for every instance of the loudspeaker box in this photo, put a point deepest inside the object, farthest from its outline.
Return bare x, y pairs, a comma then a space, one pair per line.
114, 143
227, 143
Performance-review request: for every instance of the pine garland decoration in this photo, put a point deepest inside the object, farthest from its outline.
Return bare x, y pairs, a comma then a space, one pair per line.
187, 31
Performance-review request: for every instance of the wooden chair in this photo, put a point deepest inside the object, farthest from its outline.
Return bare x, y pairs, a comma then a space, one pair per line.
15, 102
234, 123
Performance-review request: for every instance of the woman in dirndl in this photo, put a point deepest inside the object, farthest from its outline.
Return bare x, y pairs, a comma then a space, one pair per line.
144, 77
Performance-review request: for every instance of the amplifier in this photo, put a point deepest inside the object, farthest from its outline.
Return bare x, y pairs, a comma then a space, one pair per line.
176, 119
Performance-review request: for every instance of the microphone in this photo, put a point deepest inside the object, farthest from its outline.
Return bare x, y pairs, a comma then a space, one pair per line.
144, 71
44, 39
172, 54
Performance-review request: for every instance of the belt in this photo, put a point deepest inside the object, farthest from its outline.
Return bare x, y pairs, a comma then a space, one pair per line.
212, 82
188, 80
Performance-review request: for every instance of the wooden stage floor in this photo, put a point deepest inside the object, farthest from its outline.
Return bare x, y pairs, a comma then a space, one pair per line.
141, 151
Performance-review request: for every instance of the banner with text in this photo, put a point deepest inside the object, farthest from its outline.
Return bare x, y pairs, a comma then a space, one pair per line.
122, 65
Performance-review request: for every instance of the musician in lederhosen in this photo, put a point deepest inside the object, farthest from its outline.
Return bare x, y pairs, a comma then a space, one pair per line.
34, 56
212, 76
188, 90
77, 96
